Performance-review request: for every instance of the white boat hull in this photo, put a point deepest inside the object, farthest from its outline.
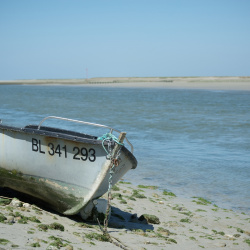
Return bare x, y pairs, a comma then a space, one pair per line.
67, 172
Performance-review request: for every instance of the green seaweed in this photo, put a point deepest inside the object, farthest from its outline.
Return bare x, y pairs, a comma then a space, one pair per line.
36, 244
2, 218
4, 241
201, 201
43, 227
56, 226
247, 241
221, 233
186, 220
97, 236
200, 210
23, 220
115, 188
119, 197
216, 232
122, 201
9, 208
136, 194
16, 214
152, 200
151, 219
131, 198
124, 182
165, 192
14, 246
34, 219
58, 242
240, 230
177, 207
4, 202
188, 213
116, 195
16, 173
208, 236
147, 187
172, 240
236, 235
163, 231
77, 234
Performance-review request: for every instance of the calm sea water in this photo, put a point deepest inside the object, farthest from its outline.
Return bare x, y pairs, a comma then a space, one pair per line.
191, 142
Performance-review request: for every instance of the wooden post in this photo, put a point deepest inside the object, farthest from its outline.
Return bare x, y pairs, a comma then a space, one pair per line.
117, 146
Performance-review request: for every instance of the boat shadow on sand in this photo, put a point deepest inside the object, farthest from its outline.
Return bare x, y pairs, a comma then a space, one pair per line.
126, 220
118, 219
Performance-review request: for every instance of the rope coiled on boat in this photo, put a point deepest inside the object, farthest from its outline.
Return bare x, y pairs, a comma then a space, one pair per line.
108, 137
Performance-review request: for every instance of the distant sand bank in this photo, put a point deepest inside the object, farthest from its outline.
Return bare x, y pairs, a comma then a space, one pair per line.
213, 83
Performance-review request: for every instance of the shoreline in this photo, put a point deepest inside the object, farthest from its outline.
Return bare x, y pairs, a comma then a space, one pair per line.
209, 83
143, 217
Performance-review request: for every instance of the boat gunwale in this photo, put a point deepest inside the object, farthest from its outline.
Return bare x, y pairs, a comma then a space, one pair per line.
67, 135
56, 133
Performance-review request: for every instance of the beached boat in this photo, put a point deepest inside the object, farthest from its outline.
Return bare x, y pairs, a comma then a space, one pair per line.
66, 169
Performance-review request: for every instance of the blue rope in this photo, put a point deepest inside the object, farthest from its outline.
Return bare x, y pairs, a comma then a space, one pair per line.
109, 137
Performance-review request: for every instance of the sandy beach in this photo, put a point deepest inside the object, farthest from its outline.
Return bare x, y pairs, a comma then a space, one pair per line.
142, 217
213, 83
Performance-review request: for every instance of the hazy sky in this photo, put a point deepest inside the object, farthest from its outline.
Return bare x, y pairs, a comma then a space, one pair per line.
110, 38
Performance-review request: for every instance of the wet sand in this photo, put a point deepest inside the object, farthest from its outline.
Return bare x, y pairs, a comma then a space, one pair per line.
142, 218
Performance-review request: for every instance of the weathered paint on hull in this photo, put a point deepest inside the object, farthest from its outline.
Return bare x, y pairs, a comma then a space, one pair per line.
66, 174
54, 195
